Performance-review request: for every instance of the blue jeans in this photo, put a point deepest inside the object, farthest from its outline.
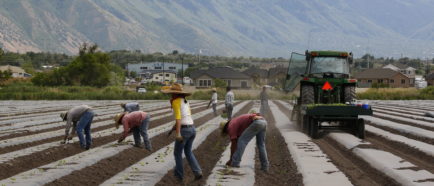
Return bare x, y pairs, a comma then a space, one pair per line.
142, 130
258, 129
84, 124
229, 108
188, 135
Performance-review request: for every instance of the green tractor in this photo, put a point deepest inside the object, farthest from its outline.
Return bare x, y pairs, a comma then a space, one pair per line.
326, 92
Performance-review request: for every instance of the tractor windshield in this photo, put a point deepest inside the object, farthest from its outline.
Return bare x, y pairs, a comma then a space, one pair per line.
329, 65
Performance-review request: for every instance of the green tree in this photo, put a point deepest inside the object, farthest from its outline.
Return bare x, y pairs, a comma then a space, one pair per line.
5, 75
133, 74
219, 83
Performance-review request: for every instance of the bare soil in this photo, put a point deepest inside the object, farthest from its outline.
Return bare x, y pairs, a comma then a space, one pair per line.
40, 158
357, 170
207, 154
58, 138
283, 170
107, 168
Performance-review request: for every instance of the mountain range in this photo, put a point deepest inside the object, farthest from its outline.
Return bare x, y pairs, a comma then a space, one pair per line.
260, 28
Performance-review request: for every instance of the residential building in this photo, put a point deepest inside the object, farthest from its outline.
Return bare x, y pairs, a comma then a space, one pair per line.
141, 69
410, 72
233, 78
259, 76
384, 76
17, 72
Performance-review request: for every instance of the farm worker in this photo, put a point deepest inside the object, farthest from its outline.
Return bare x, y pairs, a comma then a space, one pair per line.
81, 117
229, 102
241, 130
185, 131
213, 101
130, 107
136, 122
264, 100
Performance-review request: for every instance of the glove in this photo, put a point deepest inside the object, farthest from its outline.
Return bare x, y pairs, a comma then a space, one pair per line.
179, 138
69, 138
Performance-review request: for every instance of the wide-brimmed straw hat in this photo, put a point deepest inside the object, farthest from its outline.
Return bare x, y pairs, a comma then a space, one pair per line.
118, 118
174, 89
64, 115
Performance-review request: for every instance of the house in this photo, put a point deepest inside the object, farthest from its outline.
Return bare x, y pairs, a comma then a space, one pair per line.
259, 76
233, 78
142, 68
277, 76
385, 76
430, 79
410, 72
17, 72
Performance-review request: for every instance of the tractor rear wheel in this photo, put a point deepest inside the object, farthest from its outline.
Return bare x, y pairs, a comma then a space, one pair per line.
307, 94
313, 128
350, 93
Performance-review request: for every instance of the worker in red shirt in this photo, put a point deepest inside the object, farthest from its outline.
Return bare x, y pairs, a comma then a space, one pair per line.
136, 122
241, 130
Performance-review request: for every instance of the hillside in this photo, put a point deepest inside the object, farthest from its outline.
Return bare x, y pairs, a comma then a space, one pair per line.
224, 27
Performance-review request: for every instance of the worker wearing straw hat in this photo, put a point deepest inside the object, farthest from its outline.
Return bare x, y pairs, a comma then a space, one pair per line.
80, 117
136, 122
185, 131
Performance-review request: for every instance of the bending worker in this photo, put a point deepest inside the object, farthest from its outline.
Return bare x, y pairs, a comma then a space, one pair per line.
136, 122
80, 117
241, 130
130, 107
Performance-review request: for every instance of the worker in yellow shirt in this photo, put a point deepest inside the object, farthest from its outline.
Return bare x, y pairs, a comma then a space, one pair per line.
185, 131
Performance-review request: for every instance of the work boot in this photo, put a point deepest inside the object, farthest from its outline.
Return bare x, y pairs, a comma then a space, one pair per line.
198, 176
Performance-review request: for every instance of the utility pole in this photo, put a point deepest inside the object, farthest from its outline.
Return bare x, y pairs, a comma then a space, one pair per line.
164, 75
182, 69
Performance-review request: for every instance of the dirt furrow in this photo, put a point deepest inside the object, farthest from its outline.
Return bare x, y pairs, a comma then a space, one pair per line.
411, 136
404, 122
407, 153
107, 168
26, 133
358, 171
40, 158
58, 138
283, 170
207, 154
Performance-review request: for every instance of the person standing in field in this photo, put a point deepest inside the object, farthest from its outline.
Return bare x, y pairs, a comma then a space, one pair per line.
80, 118
264, 101
185, 131
213, 101
229, 102
136, 122
241, 130
130, 107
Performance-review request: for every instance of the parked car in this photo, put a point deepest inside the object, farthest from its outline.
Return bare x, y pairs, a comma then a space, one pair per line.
141, 90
